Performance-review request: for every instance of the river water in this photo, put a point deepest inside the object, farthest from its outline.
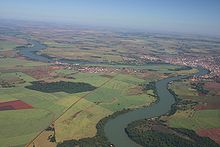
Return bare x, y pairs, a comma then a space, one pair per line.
115, 128
32, 53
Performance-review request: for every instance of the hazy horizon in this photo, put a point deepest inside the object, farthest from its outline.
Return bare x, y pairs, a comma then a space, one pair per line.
198, 16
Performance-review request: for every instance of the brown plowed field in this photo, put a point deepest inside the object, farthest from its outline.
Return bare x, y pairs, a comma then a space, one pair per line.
14, 105
213, 133
208, 106
212, 85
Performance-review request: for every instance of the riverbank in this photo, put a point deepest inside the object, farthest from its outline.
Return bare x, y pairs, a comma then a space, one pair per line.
118, 125
100, 139
157, 132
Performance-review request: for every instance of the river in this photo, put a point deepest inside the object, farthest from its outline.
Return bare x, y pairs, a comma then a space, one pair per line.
115, 128
31, 52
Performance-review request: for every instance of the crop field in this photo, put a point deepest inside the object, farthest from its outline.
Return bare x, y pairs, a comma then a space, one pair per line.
109, 92
90, 55
14, 105
19, 126
44, 109
48, 106
209, 103
214, 86
38, 72
97, 46
11, 40
114, 95
80, 121
187, 72
204, 117
91, 78
7, 45
213, 133
110, 97
183, 89
35, 94
16, 62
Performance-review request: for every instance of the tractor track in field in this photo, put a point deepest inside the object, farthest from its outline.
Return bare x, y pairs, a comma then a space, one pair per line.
82, 97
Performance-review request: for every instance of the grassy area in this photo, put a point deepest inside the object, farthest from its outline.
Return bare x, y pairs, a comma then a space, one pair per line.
114, 96
13, 76
91, 78
114, 93
182, 88
45, 108
13, 62
202, 119
187, 72
80, 121
66, 51
37, 99
130, 79
7, 45
19, 126
194, 117
53, 103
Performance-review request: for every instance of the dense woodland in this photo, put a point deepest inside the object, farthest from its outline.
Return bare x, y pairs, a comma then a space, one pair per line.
151, 86
199, 87
62, 86
141, 133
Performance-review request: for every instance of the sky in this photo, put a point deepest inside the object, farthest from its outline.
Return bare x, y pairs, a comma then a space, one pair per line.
188, 16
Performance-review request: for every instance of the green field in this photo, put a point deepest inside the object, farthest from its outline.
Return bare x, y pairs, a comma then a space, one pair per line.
14, 62
112, 86
19, 126
183, 88
192, 117
81, 119
30, 121
114, 92
91, 55
7, 45
202, 119
113, 95
91, 78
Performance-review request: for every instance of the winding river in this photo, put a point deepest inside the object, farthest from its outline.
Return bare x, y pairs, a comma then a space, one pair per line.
115, 128
31, 52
